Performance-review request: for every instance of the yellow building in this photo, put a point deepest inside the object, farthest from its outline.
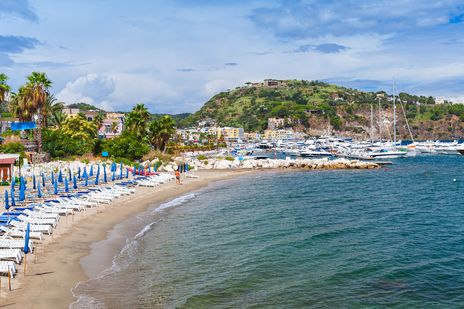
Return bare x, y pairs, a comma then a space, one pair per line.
230, 133
278, 134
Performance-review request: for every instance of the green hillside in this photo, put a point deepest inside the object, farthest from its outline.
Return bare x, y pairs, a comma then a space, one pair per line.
314, 105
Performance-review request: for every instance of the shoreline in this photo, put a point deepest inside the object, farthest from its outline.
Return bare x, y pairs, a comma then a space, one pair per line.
97, 234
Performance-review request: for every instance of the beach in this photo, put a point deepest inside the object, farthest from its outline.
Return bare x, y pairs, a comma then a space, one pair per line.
58, 268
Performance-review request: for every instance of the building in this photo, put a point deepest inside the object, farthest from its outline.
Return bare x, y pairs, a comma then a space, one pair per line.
71, 112
439, 100
112, 126
5, 123
274, 83
282, 134
275, 123
7, 161
90, 114
230, 134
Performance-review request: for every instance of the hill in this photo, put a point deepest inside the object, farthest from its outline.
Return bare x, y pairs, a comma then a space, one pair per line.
315, 107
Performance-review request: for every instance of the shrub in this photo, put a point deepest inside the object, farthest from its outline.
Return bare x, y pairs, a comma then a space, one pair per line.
201, 157
229, 158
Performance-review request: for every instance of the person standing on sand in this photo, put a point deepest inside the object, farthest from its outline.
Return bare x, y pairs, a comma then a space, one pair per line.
177, 177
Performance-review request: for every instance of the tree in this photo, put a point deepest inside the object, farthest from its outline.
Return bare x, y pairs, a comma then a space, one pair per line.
127, 145
79, 128
4, 88
51, 109
57, 118
35, 95
98, 121
137, 120
160, 131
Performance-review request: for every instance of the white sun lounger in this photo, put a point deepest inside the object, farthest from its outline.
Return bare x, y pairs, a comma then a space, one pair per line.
8, 267
17, 233
33, 227
11, 254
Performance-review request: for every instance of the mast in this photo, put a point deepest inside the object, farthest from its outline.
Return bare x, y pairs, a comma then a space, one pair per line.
372, 123
394, 114
380, 121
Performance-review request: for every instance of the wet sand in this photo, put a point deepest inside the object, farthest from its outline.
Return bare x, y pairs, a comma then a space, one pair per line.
56, 267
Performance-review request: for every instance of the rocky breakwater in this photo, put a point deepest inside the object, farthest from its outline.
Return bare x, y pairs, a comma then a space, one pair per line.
314, 164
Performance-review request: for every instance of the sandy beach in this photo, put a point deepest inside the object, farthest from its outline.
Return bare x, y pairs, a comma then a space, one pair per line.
56, 267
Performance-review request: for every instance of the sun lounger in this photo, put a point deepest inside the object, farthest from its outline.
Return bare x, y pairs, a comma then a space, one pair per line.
11, 254
17, 233
34, 227
8, 267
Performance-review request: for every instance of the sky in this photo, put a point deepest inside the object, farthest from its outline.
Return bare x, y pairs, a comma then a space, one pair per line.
174, 55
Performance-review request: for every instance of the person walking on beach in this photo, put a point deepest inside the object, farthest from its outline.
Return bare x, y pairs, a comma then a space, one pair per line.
177, 177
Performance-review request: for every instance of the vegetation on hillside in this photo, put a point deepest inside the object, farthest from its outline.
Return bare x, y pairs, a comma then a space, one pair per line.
309, 105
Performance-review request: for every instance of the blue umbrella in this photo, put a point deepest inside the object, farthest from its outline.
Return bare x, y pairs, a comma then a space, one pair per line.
74, 182
34, 185
96, 180
53, 178
120, 172
55, 186
12, 186
79, 172
22, 193
98, 170
113, 176
104, 173
7, 203
186, 167
133, 171
84, 173
69, 173
155, 167
26, 239
87, 180
91, 171
60, 177
127, 172
39, 192
13, 202
149, 169
43, 180
66, 185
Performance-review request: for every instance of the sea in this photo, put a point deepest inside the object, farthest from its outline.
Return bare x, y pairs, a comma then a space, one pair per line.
386, 238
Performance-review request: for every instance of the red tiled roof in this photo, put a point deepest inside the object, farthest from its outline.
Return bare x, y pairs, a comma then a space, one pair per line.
8, 161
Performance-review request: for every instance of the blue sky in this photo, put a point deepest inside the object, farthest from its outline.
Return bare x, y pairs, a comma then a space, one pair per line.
174, 55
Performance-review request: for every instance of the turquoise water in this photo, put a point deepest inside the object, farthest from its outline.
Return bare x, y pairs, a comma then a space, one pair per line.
392, 238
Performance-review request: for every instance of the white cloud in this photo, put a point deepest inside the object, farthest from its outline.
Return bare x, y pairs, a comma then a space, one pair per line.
91, 88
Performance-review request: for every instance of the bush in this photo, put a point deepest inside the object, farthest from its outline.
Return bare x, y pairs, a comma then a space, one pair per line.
229, 158
128, 146
59, 145
201, 157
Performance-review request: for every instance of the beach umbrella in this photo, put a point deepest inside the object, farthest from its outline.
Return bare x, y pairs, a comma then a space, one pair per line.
53, 178
86, 180
79, 172
66, 185
34, 184
186, 167
149, 169
133, 171
55, 186
84, 173
26, 248
7, 202
43, 180
74, 182
39, 191
104, 174
120, 172
96, 180
22, 193
26, 239
60, 177
91, 170
127, 172
155, 167
13, 202
98, 170
113, 176
69, 173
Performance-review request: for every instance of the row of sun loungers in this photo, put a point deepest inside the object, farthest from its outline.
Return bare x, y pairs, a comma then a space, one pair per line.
44, 217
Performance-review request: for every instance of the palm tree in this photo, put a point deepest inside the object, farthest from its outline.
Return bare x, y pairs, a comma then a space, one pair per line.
137, 120
51, 108
4, 88
37, 87
160, 131
57, 118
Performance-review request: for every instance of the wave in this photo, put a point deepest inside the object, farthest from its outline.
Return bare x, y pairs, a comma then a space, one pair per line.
124, 258
176, 202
